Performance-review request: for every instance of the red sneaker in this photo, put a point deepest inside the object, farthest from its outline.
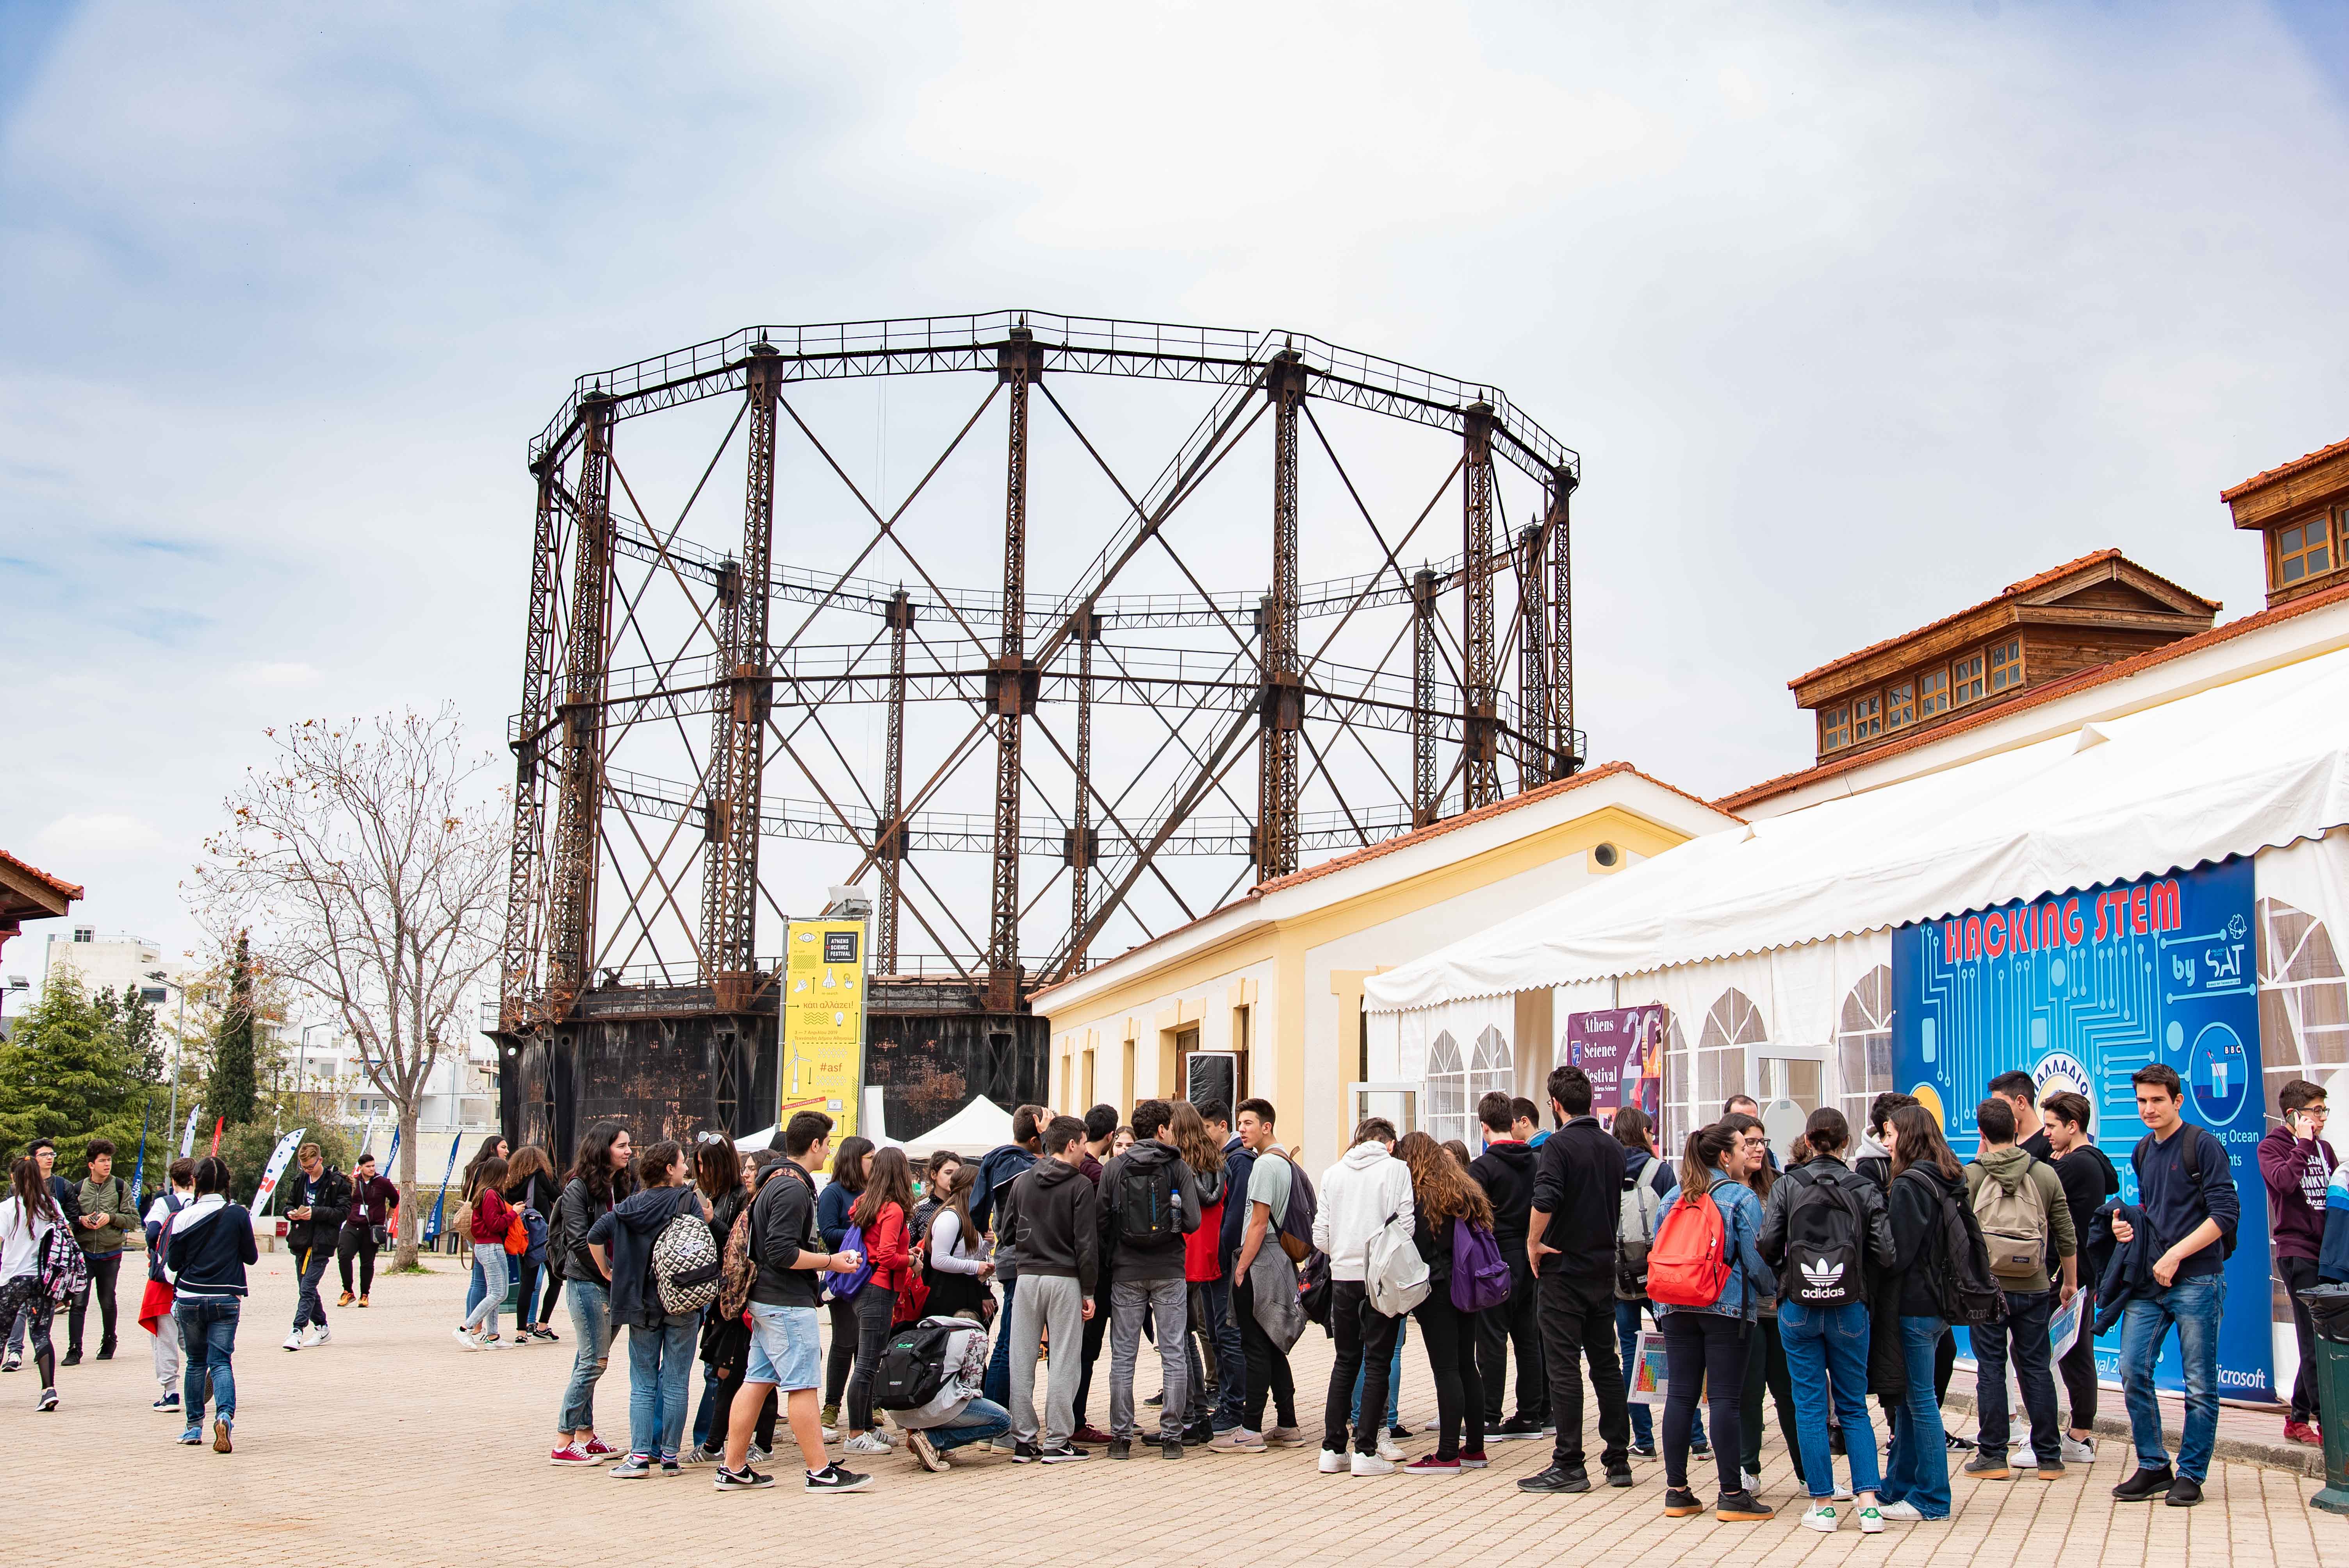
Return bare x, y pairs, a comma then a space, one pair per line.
1471, 1458
1089, 1433
599, 1450
567, 1455
1431, 1465
2301, 1432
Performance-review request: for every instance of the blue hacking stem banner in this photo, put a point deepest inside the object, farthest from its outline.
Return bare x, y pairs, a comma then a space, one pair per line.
2080, 990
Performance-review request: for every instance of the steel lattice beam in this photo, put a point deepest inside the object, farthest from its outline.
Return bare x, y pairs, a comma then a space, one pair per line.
1281, 706
520, 999
1013, 680
571, 872
889, 846
1532, 655
1479, 770
1564, 738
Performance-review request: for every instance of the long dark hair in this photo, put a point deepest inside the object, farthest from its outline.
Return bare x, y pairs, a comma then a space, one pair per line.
891, 1181
213, 1175
1921, 1142
489, 1173
1761, 1178
31, 1193
1706, 1148
593, 1165
955, 1201
482, 1155
1440, 1189
529, 1160
717, 1169
848, 1162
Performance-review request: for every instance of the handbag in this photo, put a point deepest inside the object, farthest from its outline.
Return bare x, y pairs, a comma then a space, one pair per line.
1395, 1276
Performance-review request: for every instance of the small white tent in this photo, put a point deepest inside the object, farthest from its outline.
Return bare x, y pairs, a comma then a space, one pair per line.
973, 1130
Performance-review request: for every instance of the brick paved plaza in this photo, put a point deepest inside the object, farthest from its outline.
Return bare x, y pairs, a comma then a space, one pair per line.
390, 1445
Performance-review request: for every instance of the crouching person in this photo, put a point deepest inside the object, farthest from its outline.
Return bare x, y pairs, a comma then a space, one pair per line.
954, 1350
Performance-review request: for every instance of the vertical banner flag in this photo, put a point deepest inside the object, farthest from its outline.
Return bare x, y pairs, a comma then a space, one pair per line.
1622, 1050
276, 1167
824, 1021
432, 1226
2080, 990
138, 1175
188, 1138
217, 1124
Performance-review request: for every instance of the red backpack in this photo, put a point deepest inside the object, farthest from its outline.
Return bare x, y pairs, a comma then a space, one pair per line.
1689, 1264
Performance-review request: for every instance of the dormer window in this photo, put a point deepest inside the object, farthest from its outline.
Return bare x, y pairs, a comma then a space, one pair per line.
2304, 550
2006, 665
1966, 680
1899, 705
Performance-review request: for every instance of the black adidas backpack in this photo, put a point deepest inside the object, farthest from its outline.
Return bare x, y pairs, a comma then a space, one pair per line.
1824, 1243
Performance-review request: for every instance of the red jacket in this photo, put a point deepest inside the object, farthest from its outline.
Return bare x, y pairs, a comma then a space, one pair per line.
1202, 1257
886, 1248
491, 1217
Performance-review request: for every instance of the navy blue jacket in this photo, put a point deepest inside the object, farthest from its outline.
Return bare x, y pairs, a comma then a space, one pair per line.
1237, 1162
1001, 1166
832, 1206
2173, 1204
211, 1256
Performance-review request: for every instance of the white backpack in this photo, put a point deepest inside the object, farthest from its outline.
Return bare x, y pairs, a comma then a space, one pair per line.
1394, 1273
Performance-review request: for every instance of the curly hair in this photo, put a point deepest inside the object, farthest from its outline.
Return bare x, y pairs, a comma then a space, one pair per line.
1438, 1186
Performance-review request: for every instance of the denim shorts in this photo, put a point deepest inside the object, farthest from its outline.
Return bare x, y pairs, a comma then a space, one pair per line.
786, 1347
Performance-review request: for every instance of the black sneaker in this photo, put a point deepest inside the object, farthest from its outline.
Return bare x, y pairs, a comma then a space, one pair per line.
1199, 1434
1555, 1479
1514, 1428
1957, 1444
105, 1350
1170, 1448
1742, 1507
836, 1478
1698, 1448
1988, 1464
743, 1479
2145, 1485
1120, 1447
1064, 1454
1679, 1502
1156, 1401
1643, 1451
73, 1359
1026, 1453
2184, 1492
1618, 1475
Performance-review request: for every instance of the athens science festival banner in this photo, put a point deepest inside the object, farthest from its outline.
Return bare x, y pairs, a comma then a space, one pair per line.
824, 1021
2080, 990
1622, 1050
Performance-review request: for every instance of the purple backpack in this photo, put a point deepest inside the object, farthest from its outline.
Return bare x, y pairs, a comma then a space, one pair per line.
1480, 1279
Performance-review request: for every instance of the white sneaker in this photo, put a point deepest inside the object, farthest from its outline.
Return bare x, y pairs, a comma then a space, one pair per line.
832, 1435
1753, 1480
1390, 1452
294, 1340
1904, 1512
1842, 1492
1373, 1464
464, 1341
1821, 1517
1871, 1521
1334, 1462
865, 1443
319, 1334
2079, 1451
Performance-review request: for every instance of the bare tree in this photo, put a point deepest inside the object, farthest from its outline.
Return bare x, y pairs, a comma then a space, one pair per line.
370, 865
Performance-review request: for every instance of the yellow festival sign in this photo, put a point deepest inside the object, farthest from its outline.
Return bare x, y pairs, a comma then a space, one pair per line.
824, 1021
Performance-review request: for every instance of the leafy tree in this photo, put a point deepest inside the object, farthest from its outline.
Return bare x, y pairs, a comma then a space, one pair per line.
65, 1074
129, 1018
234, 1088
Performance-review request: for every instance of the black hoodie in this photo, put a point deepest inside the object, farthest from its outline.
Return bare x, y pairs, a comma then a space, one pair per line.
1160, 1259
627, 1235
1914, 1207
1506, 1172
1050, 1219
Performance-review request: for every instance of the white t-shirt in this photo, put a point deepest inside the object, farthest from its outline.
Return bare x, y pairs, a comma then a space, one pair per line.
20, 1244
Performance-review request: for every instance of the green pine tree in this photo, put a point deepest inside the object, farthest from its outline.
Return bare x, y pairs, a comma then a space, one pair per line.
232, 1089
64, 1074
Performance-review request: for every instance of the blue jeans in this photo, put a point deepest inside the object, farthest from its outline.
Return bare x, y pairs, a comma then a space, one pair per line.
208, 1338
660, 1369
591, 1336
1918, 1470
1394, 1382
1643, 1417
980, 1419
2194, 1304
1222, 1331
1826, 1348
996, 1387
490, 1258
2025, 1330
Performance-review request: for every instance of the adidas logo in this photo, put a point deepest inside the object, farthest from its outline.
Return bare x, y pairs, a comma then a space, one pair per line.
1822, 1275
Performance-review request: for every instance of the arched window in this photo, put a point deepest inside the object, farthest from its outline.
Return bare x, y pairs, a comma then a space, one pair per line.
2303, 998
1731, 1024
1491, 1068
1864, 1045
1447, 1090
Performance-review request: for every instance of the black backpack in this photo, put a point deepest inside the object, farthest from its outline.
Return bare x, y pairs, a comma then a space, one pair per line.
1972, 1296
913, 1366
2188, 1156
1824, 1244
1150, 1201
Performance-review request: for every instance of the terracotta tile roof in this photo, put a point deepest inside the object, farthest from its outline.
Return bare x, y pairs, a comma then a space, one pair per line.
2119, 670
56, 884
2054, 574
2285, 471
1404, 842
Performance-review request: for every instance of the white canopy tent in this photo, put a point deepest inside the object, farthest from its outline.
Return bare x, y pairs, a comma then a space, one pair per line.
2230, 771
973, 1130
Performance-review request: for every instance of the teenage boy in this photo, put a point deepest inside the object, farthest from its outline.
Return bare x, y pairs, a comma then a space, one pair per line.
958, 1414
2186, 1197
1269, 1177
1367, 1190
2020, 1200
317, 1199
2089, 1181
110, 1209
786, 1328
1100, 1131
365, 1227
1149, 1202
2296, 1164
1525, 1123
2021, 1093
1570, 1248
1506, 1172
997, 1169
1050, 1222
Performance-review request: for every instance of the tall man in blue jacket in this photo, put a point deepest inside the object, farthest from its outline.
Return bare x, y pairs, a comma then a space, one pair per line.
2186, 1195
997, 1169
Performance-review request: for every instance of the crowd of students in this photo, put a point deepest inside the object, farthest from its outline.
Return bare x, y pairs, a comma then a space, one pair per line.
1815, 1283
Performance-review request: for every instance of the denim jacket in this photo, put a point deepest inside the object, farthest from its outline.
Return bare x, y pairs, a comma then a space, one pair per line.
1750, 1283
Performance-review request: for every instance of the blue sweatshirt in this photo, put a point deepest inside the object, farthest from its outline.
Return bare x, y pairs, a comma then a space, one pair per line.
2173, 1202
832, 1206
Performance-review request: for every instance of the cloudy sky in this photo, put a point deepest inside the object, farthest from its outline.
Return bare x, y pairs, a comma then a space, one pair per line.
1856, 311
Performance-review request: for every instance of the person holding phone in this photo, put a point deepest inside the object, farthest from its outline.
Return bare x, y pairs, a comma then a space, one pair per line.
2296, 1164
